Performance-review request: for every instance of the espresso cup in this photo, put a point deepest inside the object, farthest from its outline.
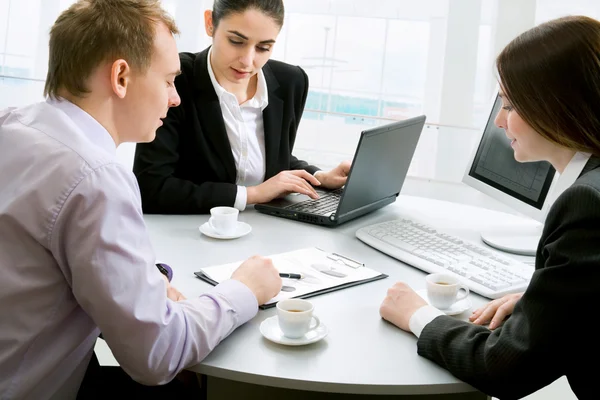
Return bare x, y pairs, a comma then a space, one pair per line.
224, 220
296, 317
443, 290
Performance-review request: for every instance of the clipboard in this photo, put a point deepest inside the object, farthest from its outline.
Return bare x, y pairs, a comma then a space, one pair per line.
323, 272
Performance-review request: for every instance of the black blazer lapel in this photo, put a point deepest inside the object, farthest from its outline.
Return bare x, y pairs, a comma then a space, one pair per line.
593, 163
209, 110
273, 120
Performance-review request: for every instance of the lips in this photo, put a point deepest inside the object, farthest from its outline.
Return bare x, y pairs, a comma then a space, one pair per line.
240, 74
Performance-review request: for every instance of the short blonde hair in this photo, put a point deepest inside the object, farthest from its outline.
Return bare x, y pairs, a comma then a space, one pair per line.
92, 32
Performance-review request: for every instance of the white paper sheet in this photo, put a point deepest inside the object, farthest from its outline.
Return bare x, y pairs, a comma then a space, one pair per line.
318, 269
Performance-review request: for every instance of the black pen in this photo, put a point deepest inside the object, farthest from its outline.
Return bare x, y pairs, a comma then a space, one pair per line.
290, 275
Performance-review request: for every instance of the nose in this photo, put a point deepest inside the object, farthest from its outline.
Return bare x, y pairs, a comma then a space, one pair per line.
500, 120
247, 57
174, 99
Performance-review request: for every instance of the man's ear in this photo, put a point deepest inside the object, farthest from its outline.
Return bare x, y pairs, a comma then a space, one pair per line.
120, 76
208, 23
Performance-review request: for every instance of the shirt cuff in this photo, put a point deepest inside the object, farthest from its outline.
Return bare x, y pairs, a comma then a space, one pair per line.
165, 270
241, 198
240, 297
422, 317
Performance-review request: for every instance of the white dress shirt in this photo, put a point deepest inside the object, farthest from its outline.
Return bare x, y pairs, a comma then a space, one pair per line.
426, 314
76, 260
245, 129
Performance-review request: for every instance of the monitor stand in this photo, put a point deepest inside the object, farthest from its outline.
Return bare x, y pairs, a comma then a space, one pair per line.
522, 240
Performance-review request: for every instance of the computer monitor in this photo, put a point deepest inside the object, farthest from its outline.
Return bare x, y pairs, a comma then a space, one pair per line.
528, 187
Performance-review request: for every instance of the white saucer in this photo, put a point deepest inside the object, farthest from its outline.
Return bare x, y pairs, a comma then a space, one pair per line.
241, 230
456, 308
270, 329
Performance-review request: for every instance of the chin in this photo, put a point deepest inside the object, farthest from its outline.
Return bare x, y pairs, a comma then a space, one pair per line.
523, 159
148, 138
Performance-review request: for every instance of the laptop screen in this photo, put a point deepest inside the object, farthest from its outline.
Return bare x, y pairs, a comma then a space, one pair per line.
380, 164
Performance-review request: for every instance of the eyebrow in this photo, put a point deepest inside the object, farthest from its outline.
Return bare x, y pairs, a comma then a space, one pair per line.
176, 73
270, 41
500, 94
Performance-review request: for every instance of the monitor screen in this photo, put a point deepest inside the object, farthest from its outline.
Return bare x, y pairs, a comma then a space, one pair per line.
494, 164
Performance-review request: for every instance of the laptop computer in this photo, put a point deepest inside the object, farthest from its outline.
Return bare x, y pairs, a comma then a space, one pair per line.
380, 164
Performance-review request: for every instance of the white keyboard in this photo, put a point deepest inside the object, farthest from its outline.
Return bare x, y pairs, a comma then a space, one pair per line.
483, 270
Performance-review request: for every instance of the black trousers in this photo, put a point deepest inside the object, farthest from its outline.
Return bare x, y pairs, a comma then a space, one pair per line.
102, 382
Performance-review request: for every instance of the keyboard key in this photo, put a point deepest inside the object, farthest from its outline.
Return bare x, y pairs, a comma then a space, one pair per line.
483, 270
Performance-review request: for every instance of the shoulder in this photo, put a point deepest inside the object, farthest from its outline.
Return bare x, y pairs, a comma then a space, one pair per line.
64, 161
582, 196
590, 178
287, 74
576, 212
57, 139
193, 66
65, 157
281, 68
189, 62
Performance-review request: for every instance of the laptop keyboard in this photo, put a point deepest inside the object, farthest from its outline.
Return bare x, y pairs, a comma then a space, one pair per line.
324, 205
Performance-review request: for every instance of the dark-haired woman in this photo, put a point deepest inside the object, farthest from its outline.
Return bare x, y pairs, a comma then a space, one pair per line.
550, 86
230, 141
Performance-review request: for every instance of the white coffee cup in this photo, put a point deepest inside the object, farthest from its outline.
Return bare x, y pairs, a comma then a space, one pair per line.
295, 317
224, 220
443, 290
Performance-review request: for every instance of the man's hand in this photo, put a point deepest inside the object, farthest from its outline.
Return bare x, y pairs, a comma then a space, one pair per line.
261, 277
173, 293
335, 178
285, 182
495, 311
400, 304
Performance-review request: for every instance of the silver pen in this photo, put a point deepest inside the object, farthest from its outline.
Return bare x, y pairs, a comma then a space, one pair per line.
291, 275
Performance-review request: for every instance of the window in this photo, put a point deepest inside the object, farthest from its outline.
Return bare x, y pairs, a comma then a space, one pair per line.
368, 61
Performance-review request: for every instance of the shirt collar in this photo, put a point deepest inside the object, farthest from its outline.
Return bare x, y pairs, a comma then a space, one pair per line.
261, 97
577, 164
572, 171
90, 128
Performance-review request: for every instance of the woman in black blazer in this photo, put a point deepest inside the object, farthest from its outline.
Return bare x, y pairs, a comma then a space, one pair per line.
550, 83
230, 141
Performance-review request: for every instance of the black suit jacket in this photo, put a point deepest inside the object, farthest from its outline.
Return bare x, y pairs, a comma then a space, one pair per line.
189, 168
550, 332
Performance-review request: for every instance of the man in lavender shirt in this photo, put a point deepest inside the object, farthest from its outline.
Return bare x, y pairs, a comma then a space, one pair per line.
75, 257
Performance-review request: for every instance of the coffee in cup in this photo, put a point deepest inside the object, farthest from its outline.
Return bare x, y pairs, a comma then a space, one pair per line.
296, 317
224, 220
443, 290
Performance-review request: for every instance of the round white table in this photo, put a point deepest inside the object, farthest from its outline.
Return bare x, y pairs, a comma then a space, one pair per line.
362, 353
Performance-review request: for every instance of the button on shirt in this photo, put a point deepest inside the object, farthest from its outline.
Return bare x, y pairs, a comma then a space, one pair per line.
245, 130
76, 260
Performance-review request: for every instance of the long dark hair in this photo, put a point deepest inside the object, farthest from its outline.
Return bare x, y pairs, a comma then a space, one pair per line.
271, 8
551, 76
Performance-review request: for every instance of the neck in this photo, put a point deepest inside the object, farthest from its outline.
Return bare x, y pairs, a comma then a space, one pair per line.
561, 158
243, 91
98, 109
